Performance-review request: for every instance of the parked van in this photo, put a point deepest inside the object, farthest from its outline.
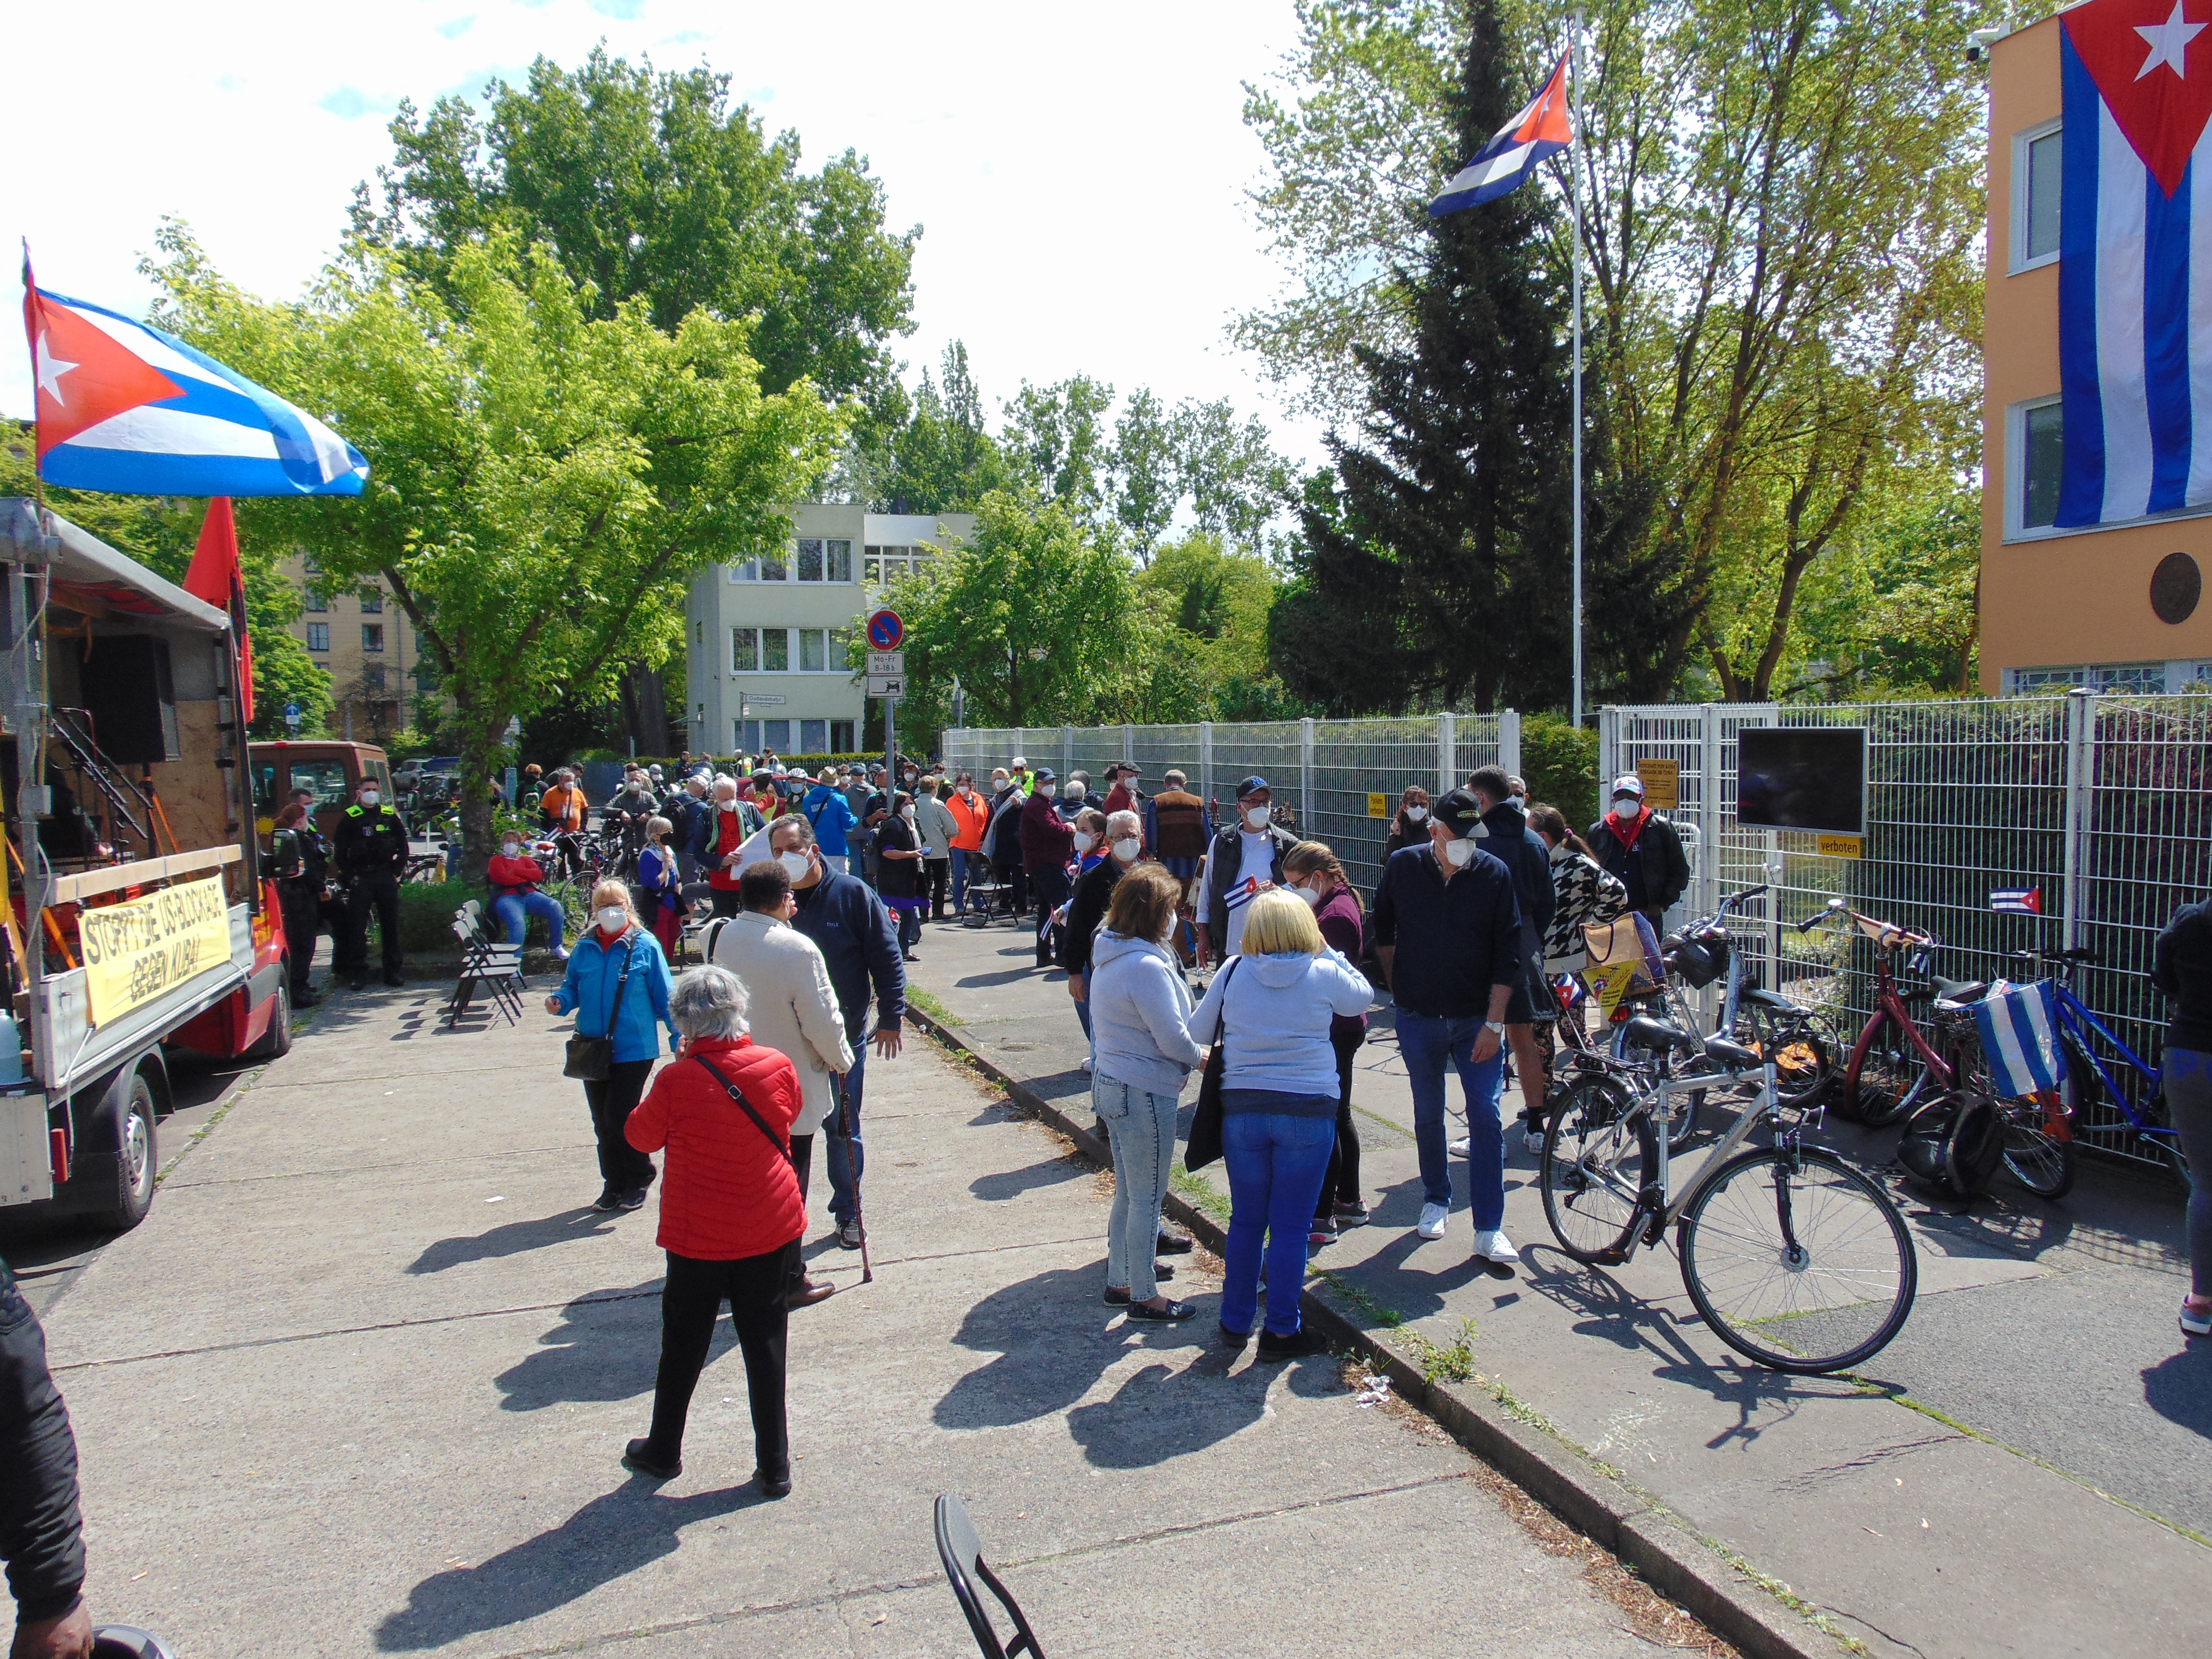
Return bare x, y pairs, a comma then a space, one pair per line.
331, 767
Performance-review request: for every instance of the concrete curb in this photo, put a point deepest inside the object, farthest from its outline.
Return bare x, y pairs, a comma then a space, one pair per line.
1610, 1511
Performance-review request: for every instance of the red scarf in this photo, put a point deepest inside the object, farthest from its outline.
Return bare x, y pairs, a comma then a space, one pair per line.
1628, 836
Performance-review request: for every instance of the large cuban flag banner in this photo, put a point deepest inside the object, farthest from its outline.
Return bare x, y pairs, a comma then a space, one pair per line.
130, 409
2134, 274
1536, 134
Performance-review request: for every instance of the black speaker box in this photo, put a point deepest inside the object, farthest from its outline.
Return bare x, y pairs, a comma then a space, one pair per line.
133, 699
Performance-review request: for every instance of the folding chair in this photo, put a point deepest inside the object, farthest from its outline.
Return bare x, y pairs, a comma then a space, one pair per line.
498, 969
960, 1550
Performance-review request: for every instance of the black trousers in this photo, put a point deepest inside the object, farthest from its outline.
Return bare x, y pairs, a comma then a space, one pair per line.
690, 1301
1341, 1184
302, 907
725, 901
622, 1166
937, 882
802, 1162
1049, 889
381, 895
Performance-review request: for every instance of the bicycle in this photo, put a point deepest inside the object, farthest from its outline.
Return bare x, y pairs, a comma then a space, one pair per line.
1791, 1257
1893, 1067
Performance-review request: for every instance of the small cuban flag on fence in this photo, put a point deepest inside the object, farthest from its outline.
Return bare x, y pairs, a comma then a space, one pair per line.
1541, 130
2017, 901
2134, 271
2017, 1024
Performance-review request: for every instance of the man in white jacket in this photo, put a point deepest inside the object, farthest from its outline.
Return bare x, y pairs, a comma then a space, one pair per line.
794, 1011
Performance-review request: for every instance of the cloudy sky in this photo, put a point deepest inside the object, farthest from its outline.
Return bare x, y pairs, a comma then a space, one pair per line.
1079, 172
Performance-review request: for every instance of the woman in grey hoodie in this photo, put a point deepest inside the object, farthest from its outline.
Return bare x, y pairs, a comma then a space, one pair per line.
1140, 1011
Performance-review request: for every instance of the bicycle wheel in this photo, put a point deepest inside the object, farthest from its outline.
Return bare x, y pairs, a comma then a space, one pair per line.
1797, 1260
1804, 1058
2038, 1160
1894, 1079
1599, 1152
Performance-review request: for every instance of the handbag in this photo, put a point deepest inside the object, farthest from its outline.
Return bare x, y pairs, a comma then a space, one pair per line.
737, 1095
592, 1059
1205, 1143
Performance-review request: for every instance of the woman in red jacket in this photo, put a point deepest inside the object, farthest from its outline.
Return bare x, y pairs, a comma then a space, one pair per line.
731, 1217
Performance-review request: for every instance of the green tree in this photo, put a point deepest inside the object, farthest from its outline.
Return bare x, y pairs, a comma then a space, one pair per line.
1236, 484
542, 482
942, 458
1055, 436
1146, 487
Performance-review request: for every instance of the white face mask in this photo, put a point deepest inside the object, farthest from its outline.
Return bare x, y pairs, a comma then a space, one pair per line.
1084, 840
795, 864
512, 849
613, 918
907, 812
369, 797
1256, 816
1310, 895
1127, 847
967, 792
1416, 814
1459, 850
1626, 808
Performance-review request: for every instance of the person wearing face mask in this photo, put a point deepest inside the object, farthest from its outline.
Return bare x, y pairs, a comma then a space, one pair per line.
1244, 861
1176, 833
1312, 871
514, 876
840, 915
370, 855
898, 871
660, 886
1525, 856
934, 823
1002, 841
1448, 934
971, 817
686, 808
617, 987
1074, 801
718, 844
1047, 843
1635, 844
1087, 905
1410, 828
831, 816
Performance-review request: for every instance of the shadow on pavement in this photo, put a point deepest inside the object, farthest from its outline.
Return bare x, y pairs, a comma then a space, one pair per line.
1013, 1183
1161, 1413
607, 1347
1046, 1359
610, 1537
512, 1239
2179, 1387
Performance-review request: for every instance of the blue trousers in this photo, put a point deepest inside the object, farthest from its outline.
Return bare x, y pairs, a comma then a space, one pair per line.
960, 878
1275, 1162
1428, 1043
514, 909
848, 1157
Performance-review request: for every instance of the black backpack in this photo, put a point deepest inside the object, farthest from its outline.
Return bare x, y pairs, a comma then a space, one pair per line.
1953, 1145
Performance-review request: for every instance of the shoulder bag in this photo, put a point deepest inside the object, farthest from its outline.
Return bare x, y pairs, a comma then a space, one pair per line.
737, 1095
591, 1059
1205, 1143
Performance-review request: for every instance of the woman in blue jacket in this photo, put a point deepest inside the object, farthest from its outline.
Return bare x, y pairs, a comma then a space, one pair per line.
831, 815
632, 1010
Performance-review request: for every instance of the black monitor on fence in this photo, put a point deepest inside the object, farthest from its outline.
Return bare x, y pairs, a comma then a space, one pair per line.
1812, 778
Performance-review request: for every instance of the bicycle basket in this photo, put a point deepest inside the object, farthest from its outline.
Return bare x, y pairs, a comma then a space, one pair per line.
1699, 959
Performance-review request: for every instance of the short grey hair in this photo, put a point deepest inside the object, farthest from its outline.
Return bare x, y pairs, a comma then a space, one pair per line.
710, 1003
1124, 823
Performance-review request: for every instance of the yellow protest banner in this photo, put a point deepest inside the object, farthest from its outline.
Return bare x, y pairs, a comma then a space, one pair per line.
1378, 806
135, 951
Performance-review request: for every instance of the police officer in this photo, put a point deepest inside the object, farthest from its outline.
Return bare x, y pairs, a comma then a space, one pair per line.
298, 896
372, 853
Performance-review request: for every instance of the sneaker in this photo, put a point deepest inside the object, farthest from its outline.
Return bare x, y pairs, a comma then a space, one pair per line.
559, 953
1233, 1340
848, 1235
1299, 1343
1086, 1062
634, 1198
1462, 1146
1494, 1245
1532, 1143
2197, 1321
608, 1199
1433, 1217
1351, 1215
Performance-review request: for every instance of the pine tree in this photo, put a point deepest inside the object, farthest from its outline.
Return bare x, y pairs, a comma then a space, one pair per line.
1442, 558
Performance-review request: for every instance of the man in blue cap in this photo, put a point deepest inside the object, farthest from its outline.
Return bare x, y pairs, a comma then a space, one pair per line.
1242, 861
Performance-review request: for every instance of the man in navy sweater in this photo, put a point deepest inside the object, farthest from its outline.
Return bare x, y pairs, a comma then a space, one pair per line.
1448, 930
850, 922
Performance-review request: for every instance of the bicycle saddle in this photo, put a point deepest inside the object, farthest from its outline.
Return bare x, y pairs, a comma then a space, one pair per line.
1960, 990
1646, 1032
1733, 1055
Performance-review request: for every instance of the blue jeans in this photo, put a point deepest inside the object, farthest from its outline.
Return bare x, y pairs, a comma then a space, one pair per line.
1142, 1128
514, 909
1427, 1041
960, 878
1275, 1162
848, 1159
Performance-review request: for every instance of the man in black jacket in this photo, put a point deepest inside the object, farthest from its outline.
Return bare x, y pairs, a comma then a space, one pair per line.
372, 855
41, 1534
1087, 907
1528, 858
1642, 849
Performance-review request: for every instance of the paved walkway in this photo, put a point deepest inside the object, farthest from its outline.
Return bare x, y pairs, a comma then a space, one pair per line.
360, 1383
2024, 1471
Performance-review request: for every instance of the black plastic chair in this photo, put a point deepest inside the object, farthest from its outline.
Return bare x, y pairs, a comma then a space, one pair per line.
961, 1550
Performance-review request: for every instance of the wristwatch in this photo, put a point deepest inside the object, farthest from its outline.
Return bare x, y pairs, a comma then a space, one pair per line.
1497, 1025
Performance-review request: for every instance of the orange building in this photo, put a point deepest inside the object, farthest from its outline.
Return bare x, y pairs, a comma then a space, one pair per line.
2115, 606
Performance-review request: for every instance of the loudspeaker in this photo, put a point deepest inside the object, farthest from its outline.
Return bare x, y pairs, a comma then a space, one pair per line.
132, 699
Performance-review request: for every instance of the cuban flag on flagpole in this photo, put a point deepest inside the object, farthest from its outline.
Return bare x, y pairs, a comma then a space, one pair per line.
2134, 271
1541, 130
130, 410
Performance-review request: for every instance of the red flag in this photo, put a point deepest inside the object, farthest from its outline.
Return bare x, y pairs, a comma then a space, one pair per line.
215, 579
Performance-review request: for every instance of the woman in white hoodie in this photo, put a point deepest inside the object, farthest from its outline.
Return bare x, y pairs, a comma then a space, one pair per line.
1273, 1004
1138, 1022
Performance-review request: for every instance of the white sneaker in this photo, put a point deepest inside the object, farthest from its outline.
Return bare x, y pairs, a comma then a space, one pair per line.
1534, 1142
1086, 1062
1495, 1246
1462, 1146
1433, 1217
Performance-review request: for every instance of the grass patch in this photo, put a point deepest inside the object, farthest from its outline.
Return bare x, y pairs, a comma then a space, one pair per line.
1442, 1362
1373, 1312
1200, 1192
918, 998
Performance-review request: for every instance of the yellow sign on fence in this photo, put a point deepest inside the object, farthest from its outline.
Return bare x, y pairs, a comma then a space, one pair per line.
1843, 847
1662, 783
1378, 806
135, 951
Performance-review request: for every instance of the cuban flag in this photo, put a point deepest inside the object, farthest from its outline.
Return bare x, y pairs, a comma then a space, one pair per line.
2017, 1026
128, 410
2135, 272
2017, 901
1540, 132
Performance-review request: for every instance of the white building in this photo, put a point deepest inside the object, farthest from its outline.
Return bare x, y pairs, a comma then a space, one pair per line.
768, 664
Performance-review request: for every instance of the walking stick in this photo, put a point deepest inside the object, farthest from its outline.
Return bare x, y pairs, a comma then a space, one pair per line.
859, 1216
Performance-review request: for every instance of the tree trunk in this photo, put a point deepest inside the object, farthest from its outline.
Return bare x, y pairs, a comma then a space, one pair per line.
644, 710
481, 752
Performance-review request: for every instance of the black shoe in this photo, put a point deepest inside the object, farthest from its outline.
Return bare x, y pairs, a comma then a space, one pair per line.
361, 982
395, 981
638, 1457
1174, 1313
634, 1198
305, 999
1172, 1242
1233, 1340
1162, 1271
772, 1485
1299, 1343
1115, 1299
610, 1198
849, 1234
911, 956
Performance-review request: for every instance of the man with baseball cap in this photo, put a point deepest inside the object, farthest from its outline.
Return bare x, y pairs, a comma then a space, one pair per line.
1242, 862
1448, 930
1635, 844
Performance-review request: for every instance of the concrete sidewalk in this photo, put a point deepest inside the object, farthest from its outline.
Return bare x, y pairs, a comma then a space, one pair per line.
2024, 1471
360, 1383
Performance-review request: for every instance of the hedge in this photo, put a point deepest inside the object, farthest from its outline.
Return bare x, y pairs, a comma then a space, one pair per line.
426, 920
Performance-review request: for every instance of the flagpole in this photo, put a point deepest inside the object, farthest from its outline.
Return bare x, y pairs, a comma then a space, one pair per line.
1575, 197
